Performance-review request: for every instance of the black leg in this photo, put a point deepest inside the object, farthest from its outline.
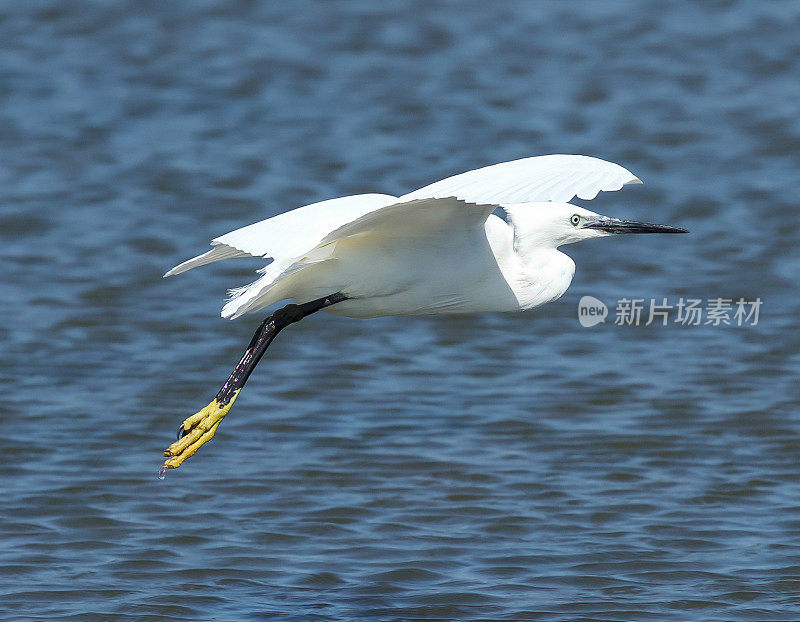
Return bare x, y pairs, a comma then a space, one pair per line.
200, 428
263, 336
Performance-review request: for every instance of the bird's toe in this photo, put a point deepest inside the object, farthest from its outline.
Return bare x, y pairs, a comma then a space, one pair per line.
195, 432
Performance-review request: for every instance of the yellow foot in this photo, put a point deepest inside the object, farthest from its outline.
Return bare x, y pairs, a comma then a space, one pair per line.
197, 431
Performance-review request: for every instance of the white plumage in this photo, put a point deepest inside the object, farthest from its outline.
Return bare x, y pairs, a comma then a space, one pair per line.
439, 249
435, 250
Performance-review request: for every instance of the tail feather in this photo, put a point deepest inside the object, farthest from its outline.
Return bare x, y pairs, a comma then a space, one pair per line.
241, 299
276, 284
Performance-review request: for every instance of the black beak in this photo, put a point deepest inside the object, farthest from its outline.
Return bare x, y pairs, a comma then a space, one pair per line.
615, 225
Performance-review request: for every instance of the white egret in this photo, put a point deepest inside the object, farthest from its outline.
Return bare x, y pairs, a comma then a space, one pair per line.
439, 249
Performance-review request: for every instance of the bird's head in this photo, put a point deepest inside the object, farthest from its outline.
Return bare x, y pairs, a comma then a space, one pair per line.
550, 225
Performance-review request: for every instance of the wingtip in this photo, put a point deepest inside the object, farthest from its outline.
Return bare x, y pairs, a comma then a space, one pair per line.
174, 270
634, 182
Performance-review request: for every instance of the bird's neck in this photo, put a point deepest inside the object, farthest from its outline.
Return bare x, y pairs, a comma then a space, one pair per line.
536, 274
545, 274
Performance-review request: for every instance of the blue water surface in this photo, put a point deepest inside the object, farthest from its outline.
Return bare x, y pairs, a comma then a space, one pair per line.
505, 467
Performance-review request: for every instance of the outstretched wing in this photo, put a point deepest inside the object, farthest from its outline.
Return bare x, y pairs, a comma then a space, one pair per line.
289, 234
467, 199
540, 178
416, 219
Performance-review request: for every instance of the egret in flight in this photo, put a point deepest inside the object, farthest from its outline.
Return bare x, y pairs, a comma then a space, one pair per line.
439, 249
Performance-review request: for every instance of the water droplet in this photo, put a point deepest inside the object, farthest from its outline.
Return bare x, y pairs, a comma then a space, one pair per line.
162, 473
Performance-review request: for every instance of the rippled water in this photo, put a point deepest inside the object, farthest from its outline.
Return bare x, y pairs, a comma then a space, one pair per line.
476, 467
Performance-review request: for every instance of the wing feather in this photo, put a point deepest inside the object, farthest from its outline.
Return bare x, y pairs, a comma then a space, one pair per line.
415, 218
218, 253
289, 234
298, 231
555, 177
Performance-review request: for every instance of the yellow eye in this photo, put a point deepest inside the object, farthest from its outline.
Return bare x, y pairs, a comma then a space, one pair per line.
575, 219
